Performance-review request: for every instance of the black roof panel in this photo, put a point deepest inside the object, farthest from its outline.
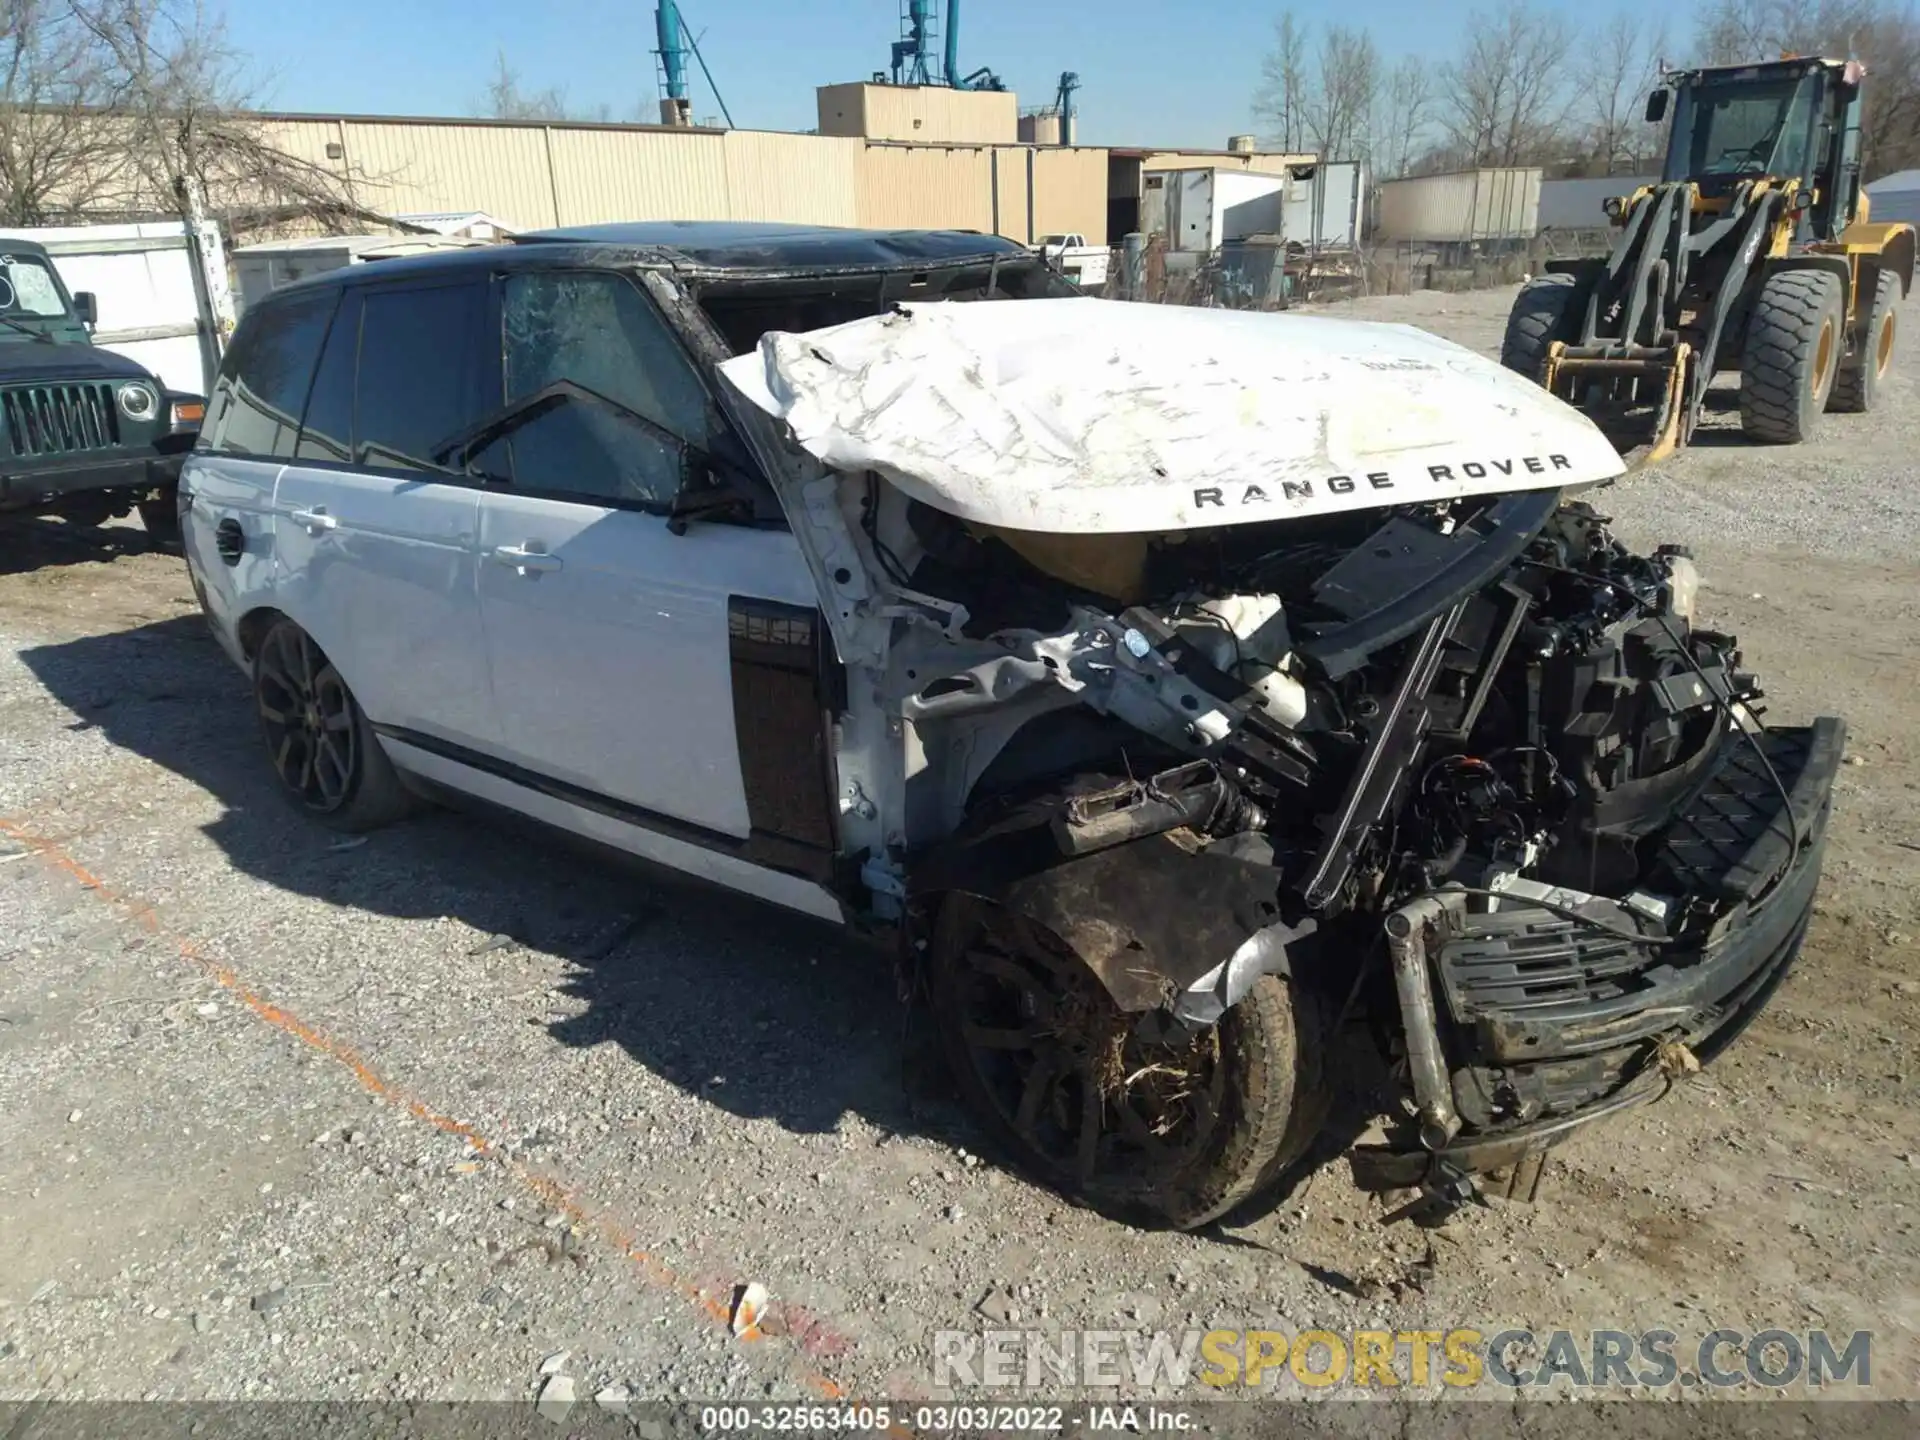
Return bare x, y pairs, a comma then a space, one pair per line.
710, 245
749, 245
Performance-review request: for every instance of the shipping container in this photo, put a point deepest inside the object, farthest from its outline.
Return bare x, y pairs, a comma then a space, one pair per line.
1324, 205
1576, 204
1469, 205
1207, 208
1271, 162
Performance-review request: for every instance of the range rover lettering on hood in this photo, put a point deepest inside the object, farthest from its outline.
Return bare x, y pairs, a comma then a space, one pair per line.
1382, 480
1080, 416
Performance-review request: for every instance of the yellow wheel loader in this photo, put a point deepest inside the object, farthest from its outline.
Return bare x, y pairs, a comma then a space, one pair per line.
1754, 254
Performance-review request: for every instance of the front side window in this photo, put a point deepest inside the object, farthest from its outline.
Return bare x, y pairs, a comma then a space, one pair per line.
1744, 128
415, 389
610, 409
256, 403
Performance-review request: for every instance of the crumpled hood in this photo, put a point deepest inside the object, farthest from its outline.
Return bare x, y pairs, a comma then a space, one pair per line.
1081, 416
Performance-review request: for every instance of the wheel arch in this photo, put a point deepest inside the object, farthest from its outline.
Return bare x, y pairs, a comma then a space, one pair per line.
1895, 257
1837, 266
252, 627
1152, 918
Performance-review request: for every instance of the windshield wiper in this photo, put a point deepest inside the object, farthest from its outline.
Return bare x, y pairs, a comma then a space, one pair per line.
27, 329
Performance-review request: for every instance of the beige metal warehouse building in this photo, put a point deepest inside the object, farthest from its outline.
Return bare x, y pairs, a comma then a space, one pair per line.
533, 175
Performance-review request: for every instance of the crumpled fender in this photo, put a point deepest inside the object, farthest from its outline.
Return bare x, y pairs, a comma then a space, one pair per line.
1164, 922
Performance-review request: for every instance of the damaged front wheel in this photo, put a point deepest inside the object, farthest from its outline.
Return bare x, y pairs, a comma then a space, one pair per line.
1184, 1129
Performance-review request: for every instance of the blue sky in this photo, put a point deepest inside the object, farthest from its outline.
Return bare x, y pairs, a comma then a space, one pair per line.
1153, 73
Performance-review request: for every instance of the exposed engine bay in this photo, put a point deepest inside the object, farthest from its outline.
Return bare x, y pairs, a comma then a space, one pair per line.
1393, 732
1264, 689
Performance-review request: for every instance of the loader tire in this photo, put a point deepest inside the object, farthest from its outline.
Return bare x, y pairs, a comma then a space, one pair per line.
1792, 355
1544, 311
1857, 385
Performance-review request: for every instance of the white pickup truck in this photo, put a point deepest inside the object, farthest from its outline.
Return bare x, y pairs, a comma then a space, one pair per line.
1085, 265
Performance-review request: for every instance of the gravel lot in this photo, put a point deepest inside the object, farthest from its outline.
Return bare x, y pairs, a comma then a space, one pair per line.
292, 1117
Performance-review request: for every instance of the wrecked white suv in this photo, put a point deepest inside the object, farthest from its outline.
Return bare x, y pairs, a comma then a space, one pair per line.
1200, 703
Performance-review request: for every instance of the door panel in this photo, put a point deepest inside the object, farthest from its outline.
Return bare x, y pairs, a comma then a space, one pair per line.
379, 569
609, 644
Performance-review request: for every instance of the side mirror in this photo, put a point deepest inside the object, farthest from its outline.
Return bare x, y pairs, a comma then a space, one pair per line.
1657, 106
86, 307
706, 489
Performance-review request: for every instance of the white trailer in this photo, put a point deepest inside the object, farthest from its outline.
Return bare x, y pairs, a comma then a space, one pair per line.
1207, 208
153, 307
265, 267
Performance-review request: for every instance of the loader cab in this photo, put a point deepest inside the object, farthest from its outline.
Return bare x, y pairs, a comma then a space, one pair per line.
1794, 119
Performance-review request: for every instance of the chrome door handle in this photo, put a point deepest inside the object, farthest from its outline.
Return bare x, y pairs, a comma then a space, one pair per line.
524, 560
315, 520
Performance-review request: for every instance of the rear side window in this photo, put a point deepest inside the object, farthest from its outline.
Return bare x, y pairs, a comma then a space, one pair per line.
416, 381
630, 406
263, 381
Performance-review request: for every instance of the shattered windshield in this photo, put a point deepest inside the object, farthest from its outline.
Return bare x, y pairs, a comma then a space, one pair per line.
28, 290
1743, 127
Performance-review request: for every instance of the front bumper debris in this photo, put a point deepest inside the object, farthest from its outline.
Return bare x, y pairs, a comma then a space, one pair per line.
1544, 1025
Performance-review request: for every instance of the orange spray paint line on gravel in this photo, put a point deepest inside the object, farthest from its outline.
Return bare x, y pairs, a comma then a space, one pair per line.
808, 1330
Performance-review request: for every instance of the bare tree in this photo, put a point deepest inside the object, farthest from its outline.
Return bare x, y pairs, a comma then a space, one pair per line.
1339, 109
1624, 58
1405, 112
1505, 95
1281, 101
508, 99
1323, 98
52, 83
1882, 33
182, 117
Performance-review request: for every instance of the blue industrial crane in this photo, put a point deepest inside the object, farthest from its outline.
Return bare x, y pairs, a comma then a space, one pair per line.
675, 45
914, 49
981, 79
1069, 82
913, 61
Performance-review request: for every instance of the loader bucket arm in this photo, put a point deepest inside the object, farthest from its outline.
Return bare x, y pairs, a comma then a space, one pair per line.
1631, 369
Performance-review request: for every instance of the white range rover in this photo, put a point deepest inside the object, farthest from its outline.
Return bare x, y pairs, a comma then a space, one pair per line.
1186, 697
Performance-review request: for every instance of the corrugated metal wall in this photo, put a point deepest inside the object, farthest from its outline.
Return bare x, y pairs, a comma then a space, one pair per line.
1070, 193
1009, 165
602, 175
924, 187
502, 169
532, 176
937, 115
842, 109
809, 179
